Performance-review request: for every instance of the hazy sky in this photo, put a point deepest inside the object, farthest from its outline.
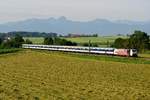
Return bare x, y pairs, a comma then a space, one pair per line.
12, 10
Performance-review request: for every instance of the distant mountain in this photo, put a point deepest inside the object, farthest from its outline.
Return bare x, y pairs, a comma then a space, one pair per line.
65, 26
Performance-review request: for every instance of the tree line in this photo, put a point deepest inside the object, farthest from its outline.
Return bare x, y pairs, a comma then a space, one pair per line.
138, 40
28, 34
13, 42
79, 35
58, 41
17, 41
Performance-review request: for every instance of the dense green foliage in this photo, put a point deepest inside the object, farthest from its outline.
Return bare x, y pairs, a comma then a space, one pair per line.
58, 41
28, 34
79, 35
14, 42
48, 41
89, 44
139, 40
27, 41
121, 43
4, 51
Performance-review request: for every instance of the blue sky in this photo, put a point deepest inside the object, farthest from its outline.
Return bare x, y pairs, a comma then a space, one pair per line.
82, 10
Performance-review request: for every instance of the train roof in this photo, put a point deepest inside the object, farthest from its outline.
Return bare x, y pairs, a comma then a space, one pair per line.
69, 46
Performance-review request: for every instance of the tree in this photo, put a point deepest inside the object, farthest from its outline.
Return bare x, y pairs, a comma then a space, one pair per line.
7, 44
28, 41
85, 44
139, 40
17, 41
18, 38
121, 43
94, 45
69, 43
1, 41
48, 41
95, 35
14, 42
58, 41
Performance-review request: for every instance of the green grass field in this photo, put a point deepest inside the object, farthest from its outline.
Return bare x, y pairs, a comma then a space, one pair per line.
39, 75
102, 39
36, 40
80, 40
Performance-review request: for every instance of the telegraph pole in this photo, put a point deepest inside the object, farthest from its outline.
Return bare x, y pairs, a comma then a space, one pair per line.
107, 43
89, 46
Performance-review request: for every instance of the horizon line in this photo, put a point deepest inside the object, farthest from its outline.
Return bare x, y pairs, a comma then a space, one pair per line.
66, 18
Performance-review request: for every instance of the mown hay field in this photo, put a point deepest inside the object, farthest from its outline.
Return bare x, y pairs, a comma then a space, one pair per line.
33, 75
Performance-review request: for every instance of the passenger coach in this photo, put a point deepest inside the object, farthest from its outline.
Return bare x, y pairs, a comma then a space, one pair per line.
94, 50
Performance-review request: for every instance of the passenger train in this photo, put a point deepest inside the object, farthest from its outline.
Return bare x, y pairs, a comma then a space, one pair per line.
92, 50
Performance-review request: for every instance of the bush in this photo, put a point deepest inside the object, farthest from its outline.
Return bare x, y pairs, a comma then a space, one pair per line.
85, 44
94, 45
121, 43
48, 41
14, 42
3, 51
58, 41
28, 41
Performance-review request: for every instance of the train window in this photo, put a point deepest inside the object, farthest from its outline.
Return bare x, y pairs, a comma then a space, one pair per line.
95, 49
134, 50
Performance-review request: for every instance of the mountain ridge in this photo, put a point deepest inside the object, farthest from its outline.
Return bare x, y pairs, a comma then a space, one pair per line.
64, 26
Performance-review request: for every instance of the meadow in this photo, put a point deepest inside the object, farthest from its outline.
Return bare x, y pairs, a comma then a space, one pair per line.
36, 40
38, 75
102, 40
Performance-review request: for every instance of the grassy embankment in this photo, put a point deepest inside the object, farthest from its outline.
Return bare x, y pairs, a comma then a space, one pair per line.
4, 51
142, 59
146, 54
53, 76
